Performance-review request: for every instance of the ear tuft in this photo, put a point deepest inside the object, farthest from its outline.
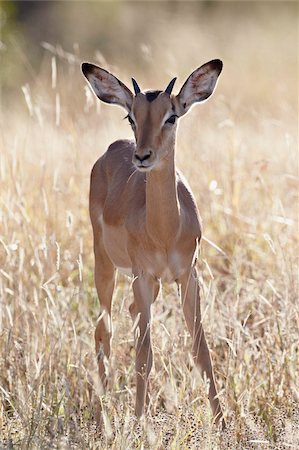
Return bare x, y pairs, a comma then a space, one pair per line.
86, 68
216, 64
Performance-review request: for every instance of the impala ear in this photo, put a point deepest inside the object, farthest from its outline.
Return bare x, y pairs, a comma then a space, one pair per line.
107, 87
199, 85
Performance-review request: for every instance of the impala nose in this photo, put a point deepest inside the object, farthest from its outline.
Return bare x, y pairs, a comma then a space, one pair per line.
143, 157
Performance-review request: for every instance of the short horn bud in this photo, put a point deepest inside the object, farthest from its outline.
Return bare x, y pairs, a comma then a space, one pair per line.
136, 87
170, 86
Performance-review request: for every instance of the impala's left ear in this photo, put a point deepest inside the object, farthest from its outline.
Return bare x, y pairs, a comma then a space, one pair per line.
107, 87
199, 86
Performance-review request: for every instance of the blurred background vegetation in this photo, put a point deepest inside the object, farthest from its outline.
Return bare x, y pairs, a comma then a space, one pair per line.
154, 39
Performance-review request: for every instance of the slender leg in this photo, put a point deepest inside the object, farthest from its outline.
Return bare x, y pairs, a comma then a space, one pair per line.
104, 280
133, 308
145, 290
201, 354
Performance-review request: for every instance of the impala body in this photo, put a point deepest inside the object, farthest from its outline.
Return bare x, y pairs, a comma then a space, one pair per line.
121, 213
144, 217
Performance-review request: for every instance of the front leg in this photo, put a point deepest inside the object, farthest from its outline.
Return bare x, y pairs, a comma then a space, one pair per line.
104, 274
201, 354
145, 290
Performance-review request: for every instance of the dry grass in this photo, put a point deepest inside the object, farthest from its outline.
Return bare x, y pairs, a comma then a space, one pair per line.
242, 165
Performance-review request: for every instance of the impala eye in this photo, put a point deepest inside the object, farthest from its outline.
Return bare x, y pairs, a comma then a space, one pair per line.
132, 123
171, 119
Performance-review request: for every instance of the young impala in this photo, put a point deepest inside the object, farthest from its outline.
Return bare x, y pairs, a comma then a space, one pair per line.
144, 217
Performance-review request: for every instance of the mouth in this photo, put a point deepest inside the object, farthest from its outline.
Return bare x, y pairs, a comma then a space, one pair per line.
143, 168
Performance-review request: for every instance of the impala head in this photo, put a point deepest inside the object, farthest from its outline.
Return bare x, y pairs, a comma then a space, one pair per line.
153, 115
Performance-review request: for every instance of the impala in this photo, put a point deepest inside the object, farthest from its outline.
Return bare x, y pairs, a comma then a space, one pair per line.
145, 220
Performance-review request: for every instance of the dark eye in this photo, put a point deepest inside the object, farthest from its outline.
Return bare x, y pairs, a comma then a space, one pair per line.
171, 119
131, 121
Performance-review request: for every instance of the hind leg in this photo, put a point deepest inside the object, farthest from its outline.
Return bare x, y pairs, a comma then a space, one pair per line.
200, 350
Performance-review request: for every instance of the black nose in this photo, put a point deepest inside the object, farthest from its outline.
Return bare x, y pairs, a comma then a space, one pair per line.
144, 157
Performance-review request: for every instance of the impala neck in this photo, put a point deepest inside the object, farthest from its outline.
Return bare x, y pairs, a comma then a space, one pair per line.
162, 207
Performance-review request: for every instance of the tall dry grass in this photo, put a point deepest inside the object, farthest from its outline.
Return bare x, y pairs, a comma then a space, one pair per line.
238, 152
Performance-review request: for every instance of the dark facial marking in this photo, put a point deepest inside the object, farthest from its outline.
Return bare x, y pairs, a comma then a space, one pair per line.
151, 95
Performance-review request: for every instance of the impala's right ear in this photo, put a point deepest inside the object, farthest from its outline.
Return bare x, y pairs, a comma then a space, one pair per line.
107, 87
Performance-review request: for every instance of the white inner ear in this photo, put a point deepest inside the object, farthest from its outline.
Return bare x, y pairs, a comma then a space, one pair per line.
204, 82
107, 87
200, 86
95, 84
